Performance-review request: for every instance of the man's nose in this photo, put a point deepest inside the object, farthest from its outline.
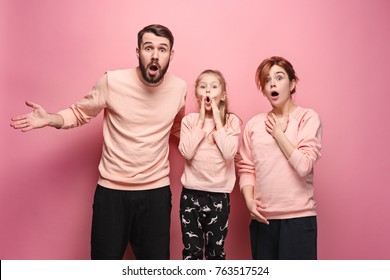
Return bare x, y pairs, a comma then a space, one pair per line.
155, 54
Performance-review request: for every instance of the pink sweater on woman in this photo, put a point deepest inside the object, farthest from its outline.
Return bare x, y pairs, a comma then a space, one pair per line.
136, 127
209, 154
284, 185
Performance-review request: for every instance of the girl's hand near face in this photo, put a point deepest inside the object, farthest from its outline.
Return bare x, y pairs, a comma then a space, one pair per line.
202, 113
216, 114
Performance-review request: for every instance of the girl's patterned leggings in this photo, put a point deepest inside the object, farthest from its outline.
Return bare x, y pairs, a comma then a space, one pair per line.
204, 223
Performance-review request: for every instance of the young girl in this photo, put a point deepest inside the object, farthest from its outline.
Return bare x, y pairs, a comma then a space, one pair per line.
278, 153
208, 142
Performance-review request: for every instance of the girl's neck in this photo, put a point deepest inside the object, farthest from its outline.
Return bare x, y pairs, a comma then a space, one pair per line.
209, 114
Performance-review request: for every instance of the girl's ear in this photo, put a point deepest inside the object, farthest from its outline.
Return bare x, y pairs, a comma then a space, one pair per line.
223, 97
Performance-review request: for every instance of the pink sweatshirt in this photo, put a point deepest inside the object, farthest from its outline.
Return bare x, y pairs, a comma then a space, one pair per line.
284, 186
209, 154
136, 127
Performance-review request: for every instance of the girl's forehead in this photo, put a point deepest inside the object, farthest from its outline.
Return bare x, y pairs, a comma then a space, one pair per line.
209, 78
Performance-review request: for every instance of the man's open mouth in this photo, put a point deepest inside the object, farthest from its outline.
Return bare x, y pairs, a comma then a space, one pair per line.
153, 67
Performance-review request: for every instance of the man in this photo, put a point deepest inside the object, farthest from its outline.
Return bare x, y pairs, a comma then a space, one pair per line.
142, 106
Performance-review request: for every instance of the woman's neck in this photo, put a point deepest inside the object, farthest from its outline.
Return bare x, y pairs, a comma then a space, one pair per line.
284, 110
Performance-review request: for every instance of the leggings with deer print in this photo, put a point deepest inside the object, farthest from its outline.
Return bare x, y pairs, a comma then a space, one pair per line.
204, 223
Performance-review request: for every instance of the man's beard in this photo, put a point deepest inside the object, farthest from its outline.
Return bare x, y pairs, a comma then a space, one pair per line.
155, 79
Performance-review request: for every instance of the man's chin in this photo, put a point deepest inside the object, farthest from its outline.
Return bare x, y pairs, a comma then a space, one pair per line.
153, 80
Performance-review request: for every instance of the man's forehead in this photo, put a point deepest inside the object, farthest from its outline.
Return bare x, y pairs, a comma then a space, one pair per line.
150, 38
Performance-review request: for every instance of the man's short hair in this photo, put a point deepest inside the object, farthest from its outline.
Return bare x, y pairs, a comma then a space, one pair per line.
158, 30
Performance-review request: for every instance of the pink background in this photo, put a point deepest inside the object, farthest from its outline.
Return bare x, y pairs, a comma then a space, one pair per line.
52, 52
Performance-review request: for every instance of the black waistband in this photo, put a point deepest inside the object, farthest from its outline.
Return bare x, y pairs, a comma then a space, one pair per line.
198, 192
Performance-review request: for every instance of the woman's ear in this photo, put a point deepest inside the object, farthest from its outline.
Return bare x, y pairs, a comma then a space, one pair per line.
293, 83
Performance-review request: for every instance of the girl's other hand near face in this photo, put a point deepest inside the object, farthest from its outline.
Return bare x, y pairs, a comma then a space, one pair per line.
202, 113
216, 114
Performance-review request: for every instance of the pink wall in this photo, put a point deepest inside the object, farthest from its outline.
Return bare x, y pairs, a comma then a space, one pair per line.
52, 52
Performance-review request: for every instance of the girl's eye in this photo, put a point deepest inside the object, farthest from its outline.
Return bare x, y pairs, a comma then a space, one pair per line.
202, 86
267, 80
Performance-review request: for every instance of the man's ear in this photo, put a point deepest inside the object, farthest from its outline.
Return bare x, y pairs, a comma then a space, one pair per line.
172, 55
137, 52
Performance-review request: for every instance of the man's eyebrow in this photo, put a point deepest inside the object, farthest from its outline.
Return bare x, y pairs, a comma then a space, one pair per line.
160, 44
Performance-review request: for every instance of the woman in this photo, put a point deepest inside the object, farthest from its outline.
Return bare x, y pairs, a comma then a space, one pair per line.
278, 154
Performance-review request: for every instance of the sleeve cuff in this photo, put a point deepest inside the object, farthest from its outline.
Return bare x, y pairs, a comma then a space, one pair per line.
247, 180
295, 158
68, 117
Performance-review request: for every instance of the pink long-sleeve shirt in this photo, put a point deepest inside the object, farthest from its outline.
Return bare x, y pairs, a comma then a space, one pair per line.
284, 185
138, 121
209, 154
